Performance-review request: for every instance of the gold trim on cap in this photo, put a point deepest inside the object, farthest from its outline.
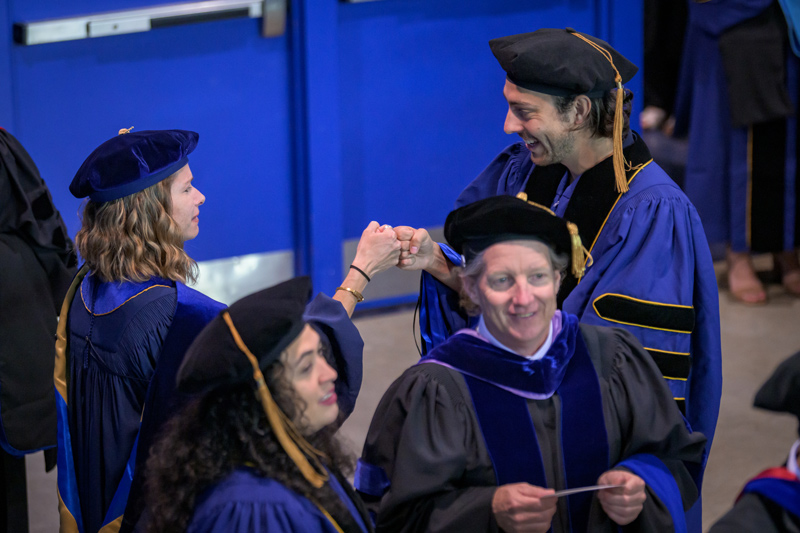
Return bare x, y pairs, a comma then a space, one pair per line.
524, 197
295, 445
618, 157
581, 258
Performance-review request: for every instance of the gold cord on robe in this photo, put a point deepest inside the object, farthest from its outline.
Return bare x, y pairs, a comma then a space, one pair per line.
295, 445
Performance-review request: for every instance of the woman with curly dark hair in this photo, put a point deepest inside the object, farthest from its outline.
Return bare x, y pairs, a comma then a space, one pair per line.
255, 449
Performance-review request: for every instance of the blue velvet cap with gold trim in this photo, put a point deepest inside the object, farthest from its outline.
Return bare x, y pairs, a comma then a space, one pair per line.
132, 162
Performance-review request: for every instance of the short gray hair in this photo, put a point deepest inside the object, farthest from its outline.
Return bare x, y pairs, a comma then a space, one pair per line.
476, 267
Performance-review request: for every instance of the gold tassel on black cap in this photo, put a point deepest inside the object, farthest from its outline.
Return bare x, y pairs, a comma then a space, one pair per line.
581, 258
618, 157
295, 445
123, 131
580, 255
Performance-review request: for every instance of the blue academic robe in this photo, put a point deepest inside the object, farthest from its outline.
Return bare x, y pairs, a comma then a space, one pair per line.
244, 502
652, 273
742, 177
163, 399
114, 337
124, 382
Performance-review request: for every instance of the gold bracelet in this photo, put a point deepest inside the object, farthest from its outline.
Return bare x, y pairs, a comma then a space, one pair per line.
358, 296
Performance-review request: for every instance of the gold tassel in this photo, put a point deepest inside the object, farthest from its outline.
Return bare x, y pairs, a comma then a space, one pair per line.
291, 440
123, 131
580, 255
581, 258
618, 157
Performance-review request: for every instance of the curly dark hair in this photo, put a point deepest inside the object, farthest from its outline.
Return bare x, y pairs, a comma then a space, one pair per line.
224, 429
601, 117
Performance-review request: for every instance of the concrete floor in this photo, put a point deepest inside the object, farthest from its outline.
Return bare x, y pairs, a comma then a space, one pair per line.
754, 341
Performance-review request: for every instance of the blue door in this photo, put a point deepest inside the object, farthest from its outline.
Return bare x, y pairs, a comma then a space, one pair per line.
422, 105
377, 110
219, 78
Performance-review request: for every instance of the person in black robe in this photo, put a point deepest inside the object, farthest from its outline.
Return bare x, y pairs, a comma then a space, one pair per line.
38, 260
770, 502
482, 432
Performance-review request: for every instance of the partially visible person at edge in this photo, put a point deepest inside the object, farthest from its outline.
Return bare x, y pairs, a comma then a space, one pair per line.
770, 502
482, 432
652, 272
255, 449
127, 320
737, 101
38, 261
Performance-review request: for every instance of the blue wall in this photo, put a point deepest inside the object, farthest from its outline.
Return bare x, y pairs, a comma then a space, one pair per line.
380, 110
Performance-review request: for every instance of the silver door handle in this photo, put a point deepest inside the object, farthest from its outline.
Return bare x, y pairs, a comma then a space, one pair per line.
145, 19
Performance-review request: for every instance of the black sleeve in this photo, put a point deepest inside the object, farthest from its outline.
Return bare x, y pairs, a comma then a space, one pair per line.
426, 439
642, 418
754, 513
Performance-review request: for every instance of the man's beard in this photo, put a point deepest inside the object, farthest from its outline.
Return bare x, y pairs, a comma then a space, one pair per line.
559, 148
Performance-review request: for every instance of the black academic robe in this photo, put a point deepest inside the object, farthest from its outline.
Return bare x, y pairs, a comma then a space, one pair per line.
436, 470
755, 513
768, 503
38, 263
38, 260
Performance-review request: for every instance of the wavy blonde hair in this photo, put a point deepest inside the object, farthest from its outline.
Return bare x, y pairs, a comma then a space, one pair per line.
134, 238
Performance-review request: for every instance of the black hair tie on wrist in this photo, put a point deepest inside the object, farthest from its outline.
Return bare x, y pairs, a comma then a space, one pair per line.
361, 272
